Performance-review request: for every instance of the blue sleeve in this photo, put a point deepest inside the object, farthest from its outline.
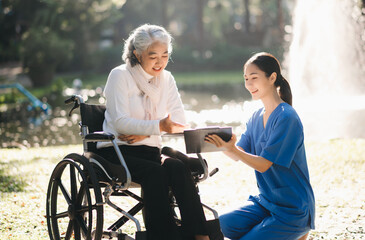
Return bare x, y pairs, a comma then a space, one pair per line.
283, 142
245, 141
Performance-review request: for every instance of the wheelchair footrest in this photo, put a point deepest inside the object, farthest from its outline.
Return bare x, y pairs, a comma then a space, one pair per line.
140, 235
214, 230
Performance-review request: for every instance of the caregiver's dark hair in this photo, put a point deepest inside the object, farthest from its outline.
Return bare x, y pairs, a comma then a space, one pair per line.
268, 63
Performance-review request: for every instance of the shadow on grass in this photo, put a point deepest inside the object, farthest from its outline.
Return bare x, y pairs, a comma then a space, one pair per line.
11, 183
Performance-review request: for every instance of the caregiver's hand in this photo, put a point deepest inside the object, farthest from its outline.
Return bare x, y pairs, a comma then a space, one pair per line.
219, 142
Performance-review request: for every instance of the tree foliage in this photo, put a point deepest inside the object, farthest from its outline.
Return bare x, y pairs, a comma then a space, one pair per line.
95, 29
62, 33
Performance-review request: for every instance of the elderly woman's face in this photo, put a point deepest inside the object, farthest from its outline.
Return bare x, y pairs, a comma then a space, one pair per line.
154, 59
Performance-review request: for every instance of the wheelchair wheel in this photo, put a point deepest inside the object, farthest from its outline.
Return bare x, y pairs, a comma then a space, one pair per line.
74, 202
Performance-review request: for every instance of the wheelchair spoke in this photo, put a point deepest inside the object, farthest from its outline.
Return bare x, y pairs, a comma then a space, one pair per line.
82, 224
76, 229
80, 195
83, 210
94, 207
64, 191
61, 215
69, 230
73, 183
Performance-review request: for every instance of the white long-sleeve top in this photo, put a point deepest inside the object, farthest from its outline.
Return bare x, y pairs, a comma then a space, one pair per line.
125, 113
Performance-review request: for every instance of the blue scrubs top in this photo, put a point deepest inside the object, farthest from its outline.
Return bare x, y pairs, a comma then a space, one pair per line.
284, 189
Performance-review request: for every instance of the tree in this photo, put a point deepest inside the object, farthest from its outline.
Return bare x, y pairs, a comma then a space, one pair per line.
15, 19
164, 18
51, 29
82, 22
42, 50
200, 24
246, 4
280, 16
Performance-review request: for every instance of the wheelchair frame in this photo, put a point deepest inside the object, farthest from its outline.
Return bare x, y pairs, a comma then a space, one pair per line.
80, 191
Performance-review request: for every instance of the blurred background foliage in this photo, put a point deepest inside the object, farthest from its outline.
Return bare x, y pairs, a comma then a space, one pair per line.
64, 36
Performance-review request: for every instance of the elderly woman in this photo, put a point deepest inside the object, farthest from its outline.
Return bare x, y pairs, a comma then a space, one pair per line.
142, 102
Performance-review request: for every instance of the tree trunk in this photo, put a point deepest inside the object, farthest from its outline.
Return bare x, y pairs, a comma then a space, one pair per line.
164, 7
280, 16
246, 4
200, 25
41, 75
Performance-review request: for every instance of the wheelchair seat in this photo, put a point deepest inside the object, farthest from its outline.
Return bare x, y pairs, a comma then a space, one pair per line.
106, 171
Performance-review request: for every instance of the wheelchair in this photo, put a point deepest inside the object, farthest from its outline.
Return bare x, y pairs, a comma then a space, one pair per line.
81, 186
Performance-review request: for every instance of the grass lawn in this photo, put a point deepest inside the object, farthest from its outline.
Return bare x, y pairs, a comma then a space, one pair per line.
336, 167
225, 77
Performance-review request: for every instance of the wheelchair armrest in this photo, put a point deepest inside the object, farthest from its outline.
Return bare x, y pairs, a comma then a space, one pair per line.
186, 159
205, 167
106, 137
99, 137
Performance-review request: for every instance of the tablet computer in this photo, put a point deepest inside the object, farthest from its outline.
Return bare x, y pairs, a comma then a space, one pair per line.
194, 139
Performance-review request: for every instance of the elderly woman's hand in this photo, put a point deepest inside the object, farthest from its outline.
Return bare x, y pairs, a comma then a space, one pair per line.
167, 125
131, 138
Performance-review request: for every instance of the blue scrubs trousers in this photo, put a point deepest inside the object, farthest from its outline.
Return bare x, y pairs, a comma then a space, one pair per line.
253, 222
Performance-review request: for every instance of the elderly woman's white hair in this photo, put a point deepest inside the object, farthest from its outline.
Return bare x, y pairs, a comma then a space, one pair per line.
141, 38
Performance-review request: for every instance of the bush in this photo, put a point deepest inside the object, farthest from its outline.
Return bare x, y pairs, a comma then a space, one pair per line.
42, 50
220, 57
108, 58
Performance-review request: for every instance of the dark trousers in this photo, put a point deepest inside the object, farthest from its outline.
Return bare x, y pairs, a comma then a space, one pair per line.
144, 164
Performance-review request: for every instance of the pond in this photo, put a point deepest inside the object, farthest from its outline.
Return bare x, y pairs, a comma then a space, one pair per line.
205, 105
210, 105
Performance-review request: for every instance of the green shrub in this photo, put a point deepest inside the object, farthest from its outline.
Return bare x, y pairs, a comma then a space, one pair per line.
42, 50
108, 58
222, 56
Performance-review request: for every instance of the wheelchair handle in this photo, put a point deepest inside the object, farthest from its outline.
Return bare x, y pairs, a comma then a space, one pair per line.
77, 99
74, 98
70, 100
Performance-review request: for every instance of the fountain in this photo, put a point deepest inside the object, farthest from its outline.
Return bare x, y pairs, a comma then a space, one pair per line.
326, 68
